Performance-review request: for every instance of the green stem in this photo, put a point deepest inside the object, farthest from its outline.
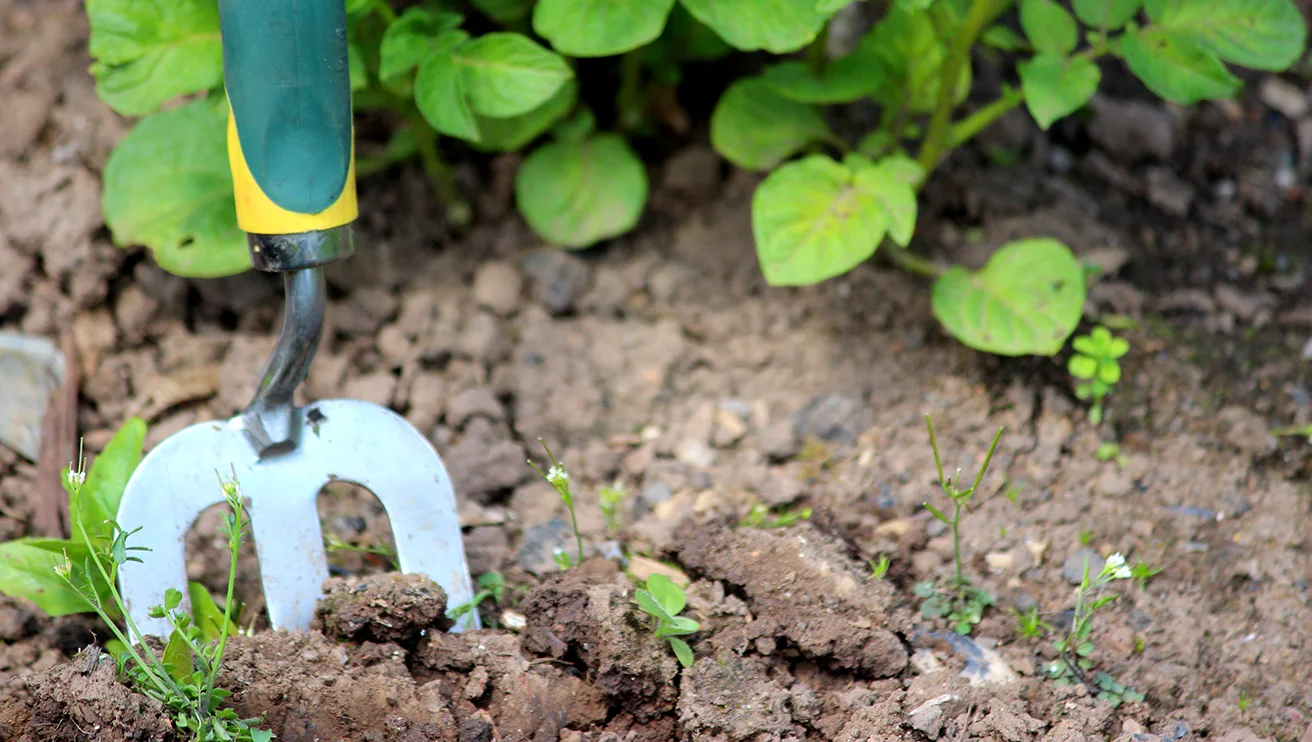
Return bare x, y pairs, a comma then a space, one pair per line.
458, 210
909, 261
981, 13
234, 545
965, 129
628, 101
817, 52
385, 11
956, 554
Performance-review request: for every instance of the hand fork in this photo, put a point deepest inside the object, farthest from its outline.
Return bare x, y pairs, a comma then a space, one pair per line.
290, 146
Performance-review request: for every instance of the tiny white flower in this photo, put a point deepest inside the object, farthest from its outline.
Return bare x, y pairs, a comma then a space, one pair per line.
76, 478
1115, 562
557, 475
1123, 573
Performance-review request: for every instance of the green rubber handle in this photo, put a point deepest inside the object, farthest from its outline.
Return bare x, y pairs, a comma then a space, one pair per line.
287, 74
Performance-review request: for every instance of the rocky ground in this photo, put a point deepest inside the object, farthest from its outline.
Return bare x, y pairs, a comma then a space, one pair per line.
662, 365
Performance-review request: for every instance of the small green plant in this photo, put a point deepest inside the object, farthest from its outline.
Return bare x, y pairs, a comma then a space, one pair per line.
491, 586
1073, 648
663, 600
963, 604
762, 516
879, 567
1108, 451
558, 478
331, 543
1142, 572
184, 680
610, 499
1086, 536
1096, 363
1030, 624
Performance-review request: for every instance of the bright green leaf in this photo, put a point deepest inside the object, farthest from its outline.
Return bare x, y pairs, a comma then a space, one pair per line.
907, 49
1259, 34
100, 494
414, 36
668, 594
261, 735
148, 52
27, 570
682, 625
177, 655
440, 98
1056, 86
1109, 372
778, 26
1049, 27
359, 72
1172, 65
507, 74
1082, 367
651, 607
504, 11
513, 134
172, 598
578, 193
208, 615
756, 129
1003, 38
846, 79
1025, 301
600, 28
167, 185
814, 219
682, 651
1108, 14
1117, 347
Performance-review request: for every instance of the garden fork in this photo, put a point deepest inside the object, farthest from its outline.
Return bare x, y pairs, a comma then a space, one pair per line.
291, 151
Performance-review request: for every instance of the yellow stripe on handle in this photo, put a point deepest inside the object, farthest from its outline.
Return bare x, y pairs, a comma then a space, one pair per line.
257, 214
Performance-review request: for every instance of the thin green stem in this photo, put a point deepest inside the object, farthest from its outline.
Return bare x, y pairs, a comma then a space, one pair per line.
458, 210
817, 52
965, 129
628, 101
981, 13
956, 553
234, 545
909, 261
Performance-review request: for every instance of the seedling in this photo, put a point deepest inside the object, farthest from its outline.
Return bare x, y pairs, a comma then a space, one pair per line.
558, 478
761, 516
1030, 624
491, 586
1142, 572
1073, 649
879, 567
610, 498
964, 604
664, 600
1244, 701
184, 679
331, 542
1107, 451
1096, 364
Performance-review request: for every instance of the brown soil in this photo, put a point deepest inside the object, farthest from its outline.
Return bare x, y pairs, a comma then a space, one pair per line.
664, 365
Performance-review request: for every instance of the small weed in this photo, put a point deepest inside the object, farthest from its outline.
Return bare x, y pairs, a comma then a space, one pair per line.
491, 586
761, 516
1143, 572
1012, 493
1108, 451
610, 498
879, 567
1096, 364
1244, 701
332, 543
558, 478
664, 600
1030, 624
964, 603
1074, 648
1086, 537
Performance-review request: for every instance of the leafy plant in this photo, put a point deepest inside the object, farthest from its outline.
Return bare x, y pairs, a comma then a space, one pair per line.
962, 603
331, 543
1074, 648
491, 586
1096, 363
663, 600
1030, 624
609, 499
879, 567
558, 478
761, 515
184, 680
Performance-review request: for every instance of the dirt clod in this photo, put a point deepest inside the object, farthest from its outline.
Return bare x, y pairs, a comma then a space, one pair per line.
388, 607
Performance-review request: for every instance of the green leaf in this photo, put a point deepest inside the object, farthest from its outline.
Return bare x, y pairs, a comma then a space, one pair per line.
938, 514
1259, 34
1025, 301
1085, 649
507, 74
682, 625
778, 26
651, 607
416, 35
755, 128
1056, 86
514, 133
99, 497
1003, 38
600, 28
682, 651
909, 53
846, 79
504, 11
578, 193
148, 52
1106, 14
1109, 372
814, 219
359, 72
27, 570
1174, 66
1049, 27
668, 594
1082, 367
177, 656
167, 185
261, 735
208, 615
441, 99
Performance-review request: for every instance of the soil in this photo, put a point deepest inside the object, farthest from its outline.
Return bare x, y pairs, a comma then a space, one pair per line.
663, 365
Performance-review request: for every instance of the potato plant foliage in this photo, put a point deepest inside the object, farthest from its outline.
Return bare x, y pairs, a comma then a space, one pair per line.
826, 204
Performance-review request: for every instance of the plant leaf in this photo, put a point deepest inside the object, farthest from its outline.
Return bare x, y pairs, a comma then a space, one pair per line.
681, 650
515, 133
508, 74
207, 614
1105, 14
27, 570
755, 128
414, 36
1172, 65
578, 193
668, 594
1056, 86
1025, 301
777, 26
1109, 372
682, 625
600, 28
441, 99
814, 219
167, 185
148, 52
907, 49
1049, 27
504, 11
1259, 34
846, 79
108, 477
177, 655
651, 607
1082, 367
1003, 38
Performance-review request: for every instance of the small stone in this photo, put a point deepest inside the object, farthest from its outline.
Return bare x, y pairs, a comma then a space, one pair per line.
541, 543
927, 718
1285, 97
834, 418
1130, 130
1037, 550
471, 402
1245, 430
482, 339
1073, 568
1169, 193
896, 528
695, 453
427, 401
497, 287
1113, 483
779, 441
643, 568
729, 427
557, 279
377, 388
476, 686
652, 495
133, 311
999, 561
780, 490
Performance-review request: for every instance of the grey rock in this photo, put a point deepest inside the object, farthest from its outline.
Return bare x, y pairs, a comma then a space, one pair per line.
556, 278
1073, 568
834, 418
1169, 193
30, 369
471, 402
541, 542
1131, 130
779, 441
1285, 97
650, 496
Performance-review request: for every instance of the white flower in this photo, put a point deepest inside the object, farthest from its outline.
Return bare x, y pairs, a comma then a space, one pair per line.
1115, 561
557, 476
1124, 573
76, 478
